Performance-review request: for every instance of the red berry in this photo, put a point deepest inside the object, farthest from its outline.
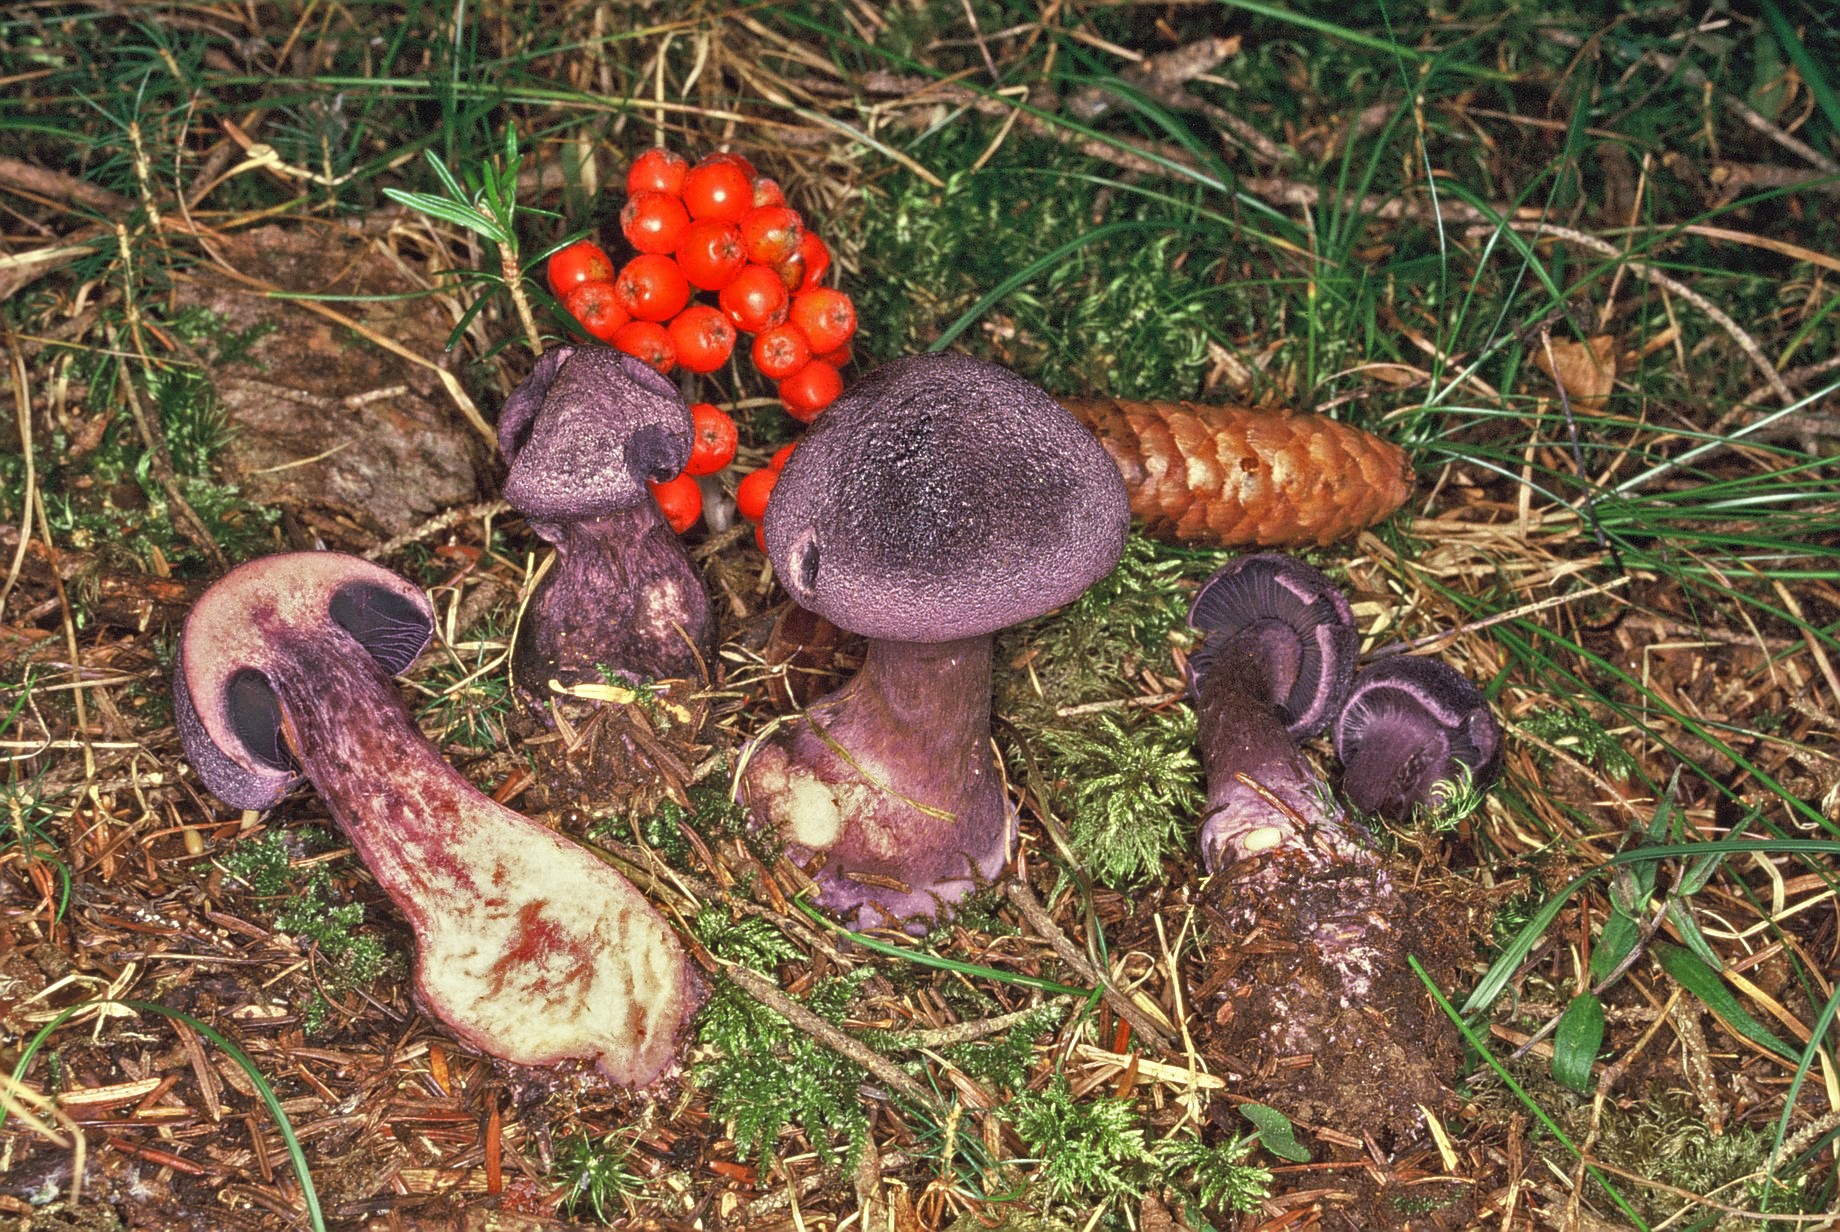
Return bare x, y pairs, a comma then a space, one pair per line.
778, 460
582, 261
767, 192
817, 259
752, 492
732, 159
703, 337
770, 234
810, 390
680, 500
652, 288
710, 253
755, 299
760, 538
718, 190
839, 358
826, 315
596, 307
791, 271
712, 439
653, 222
781, 351
649, 341
657, 170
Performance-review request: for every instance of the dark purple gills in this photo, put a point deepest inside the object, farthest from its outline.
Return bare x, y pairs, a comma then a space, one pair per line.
938, 501
1274, 668
1413, 729
528, 947
583, 434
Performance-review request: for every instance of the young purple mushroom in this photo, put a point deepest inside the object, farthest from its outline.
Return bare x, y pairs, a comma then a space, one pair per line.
1410, 731
1275, 668
582, 434
938, 501
527, 946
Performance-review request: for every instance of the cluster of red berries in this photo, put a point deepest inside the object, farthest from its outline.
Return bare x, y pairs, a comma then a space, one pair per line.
719, 227
712, 447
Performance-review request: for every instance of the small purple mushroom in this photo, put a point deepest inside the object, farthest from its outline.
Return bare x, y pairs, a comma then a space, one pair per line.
583, 433
1410, 729
1276, 665
938, 501
527, 946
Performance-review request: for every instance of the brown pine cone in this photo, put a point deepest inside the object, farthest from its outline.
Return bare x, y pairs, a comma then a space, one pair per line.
1232, 476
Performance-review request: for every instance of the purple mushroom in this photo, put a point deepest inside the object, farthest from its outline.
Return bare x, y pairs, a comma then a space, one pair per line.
1274, 669
1410, 730
527, 946
582, 434
938, 501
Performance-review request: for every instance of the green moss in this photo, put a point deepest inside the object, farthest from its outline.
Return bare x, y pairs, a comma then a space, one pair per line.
353, 956
1125, 315
1084, 1149
764, 1074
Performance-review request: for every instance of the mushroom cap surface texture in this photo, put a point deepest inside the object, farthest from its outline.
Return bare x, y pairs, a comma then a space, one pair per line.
1288, 617
225, 707
943, 498
1409, 724
585, 431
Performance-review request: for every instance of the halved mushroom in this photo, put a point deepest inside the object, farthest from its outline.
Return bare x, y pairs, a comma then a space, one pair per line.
1274, 669
939, 500
527, 946
1413, 729
583, 433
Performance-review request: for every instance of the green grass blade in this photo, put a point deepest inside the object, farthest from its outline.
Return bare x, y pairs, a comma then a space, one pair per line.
316, 1219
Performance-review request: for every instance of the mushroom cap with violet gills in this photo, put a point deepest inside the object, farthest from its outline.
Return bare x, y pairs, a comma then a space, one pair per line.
1409, 725
1274, 669
528, 947
1296, 621
943, 498
583, 433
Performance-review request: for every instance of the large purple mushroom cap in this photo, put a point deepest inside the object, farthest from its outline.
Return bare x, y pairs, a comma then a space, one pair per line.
585, 431
1289, 618
224, 702
1409, 725
943, 498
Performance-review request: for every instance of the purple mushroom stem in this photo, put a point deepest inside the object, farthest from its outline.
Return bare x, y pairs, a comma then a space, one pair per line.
1411, 731
583, 434
1276, 663
528, 947
621, 595
920, 833
1263, 794
902, 517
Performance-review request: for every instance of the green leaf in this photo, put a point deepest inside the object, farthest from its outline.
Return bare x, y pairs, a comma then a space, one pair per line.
1575, 1043
1276, 1133
1681, 913
447, 211
1703, 982
1618, 938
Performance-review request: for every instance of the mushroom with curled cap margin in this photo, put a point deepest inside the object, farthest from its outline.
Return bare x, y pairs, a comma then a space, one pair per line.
582, 434
528, 947
1274, 669
1411, 731
941, 499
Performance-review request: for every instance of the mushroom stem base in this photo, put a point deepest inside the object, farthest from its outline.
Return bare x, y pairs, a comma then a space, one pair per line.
527, 946
888, 789
1264, 796
622, 596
